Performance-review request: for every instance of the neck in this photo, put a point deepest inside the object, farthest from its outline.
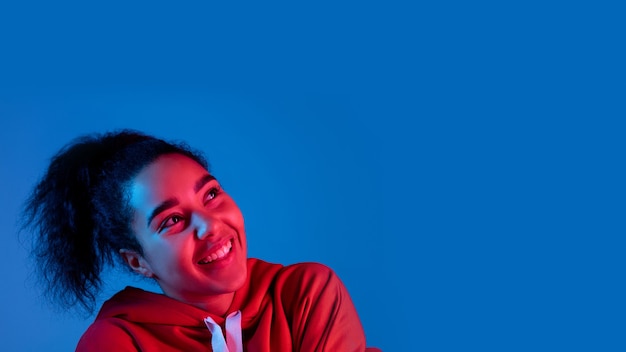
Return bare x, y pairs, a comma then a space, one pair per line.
217, 305
213, 304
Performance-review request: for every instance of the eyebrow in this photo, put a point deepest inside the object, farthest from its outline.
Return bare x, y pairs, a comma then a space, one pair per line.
171, 202
202, 181
168, 203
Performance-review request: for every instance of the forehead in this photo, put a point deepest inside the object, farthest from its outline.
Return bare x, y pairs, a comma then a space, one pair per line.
164, 178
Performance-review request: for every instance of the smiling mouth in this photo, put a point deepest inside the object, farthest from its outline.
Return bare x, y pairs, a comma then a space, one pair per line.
219, 254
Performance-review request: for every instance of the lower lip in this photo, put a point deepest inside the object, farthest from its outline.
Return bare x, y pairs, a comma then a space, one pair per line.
222, 262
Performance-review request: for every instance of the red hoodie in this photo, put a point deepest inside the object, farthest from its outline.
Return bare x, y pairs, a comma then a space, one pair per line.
301, 307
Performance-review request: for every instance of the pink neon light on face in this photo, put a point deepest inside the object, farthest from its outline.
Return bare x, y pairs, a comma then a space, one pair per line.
191, 231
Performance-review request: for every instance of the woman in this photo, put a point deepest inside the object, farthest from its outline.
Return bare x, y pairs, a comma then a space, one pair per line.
154, 205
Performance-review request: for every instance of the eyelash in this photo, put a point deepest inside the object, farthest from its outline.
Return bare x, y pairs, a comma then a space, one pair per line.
164, 225
214, 190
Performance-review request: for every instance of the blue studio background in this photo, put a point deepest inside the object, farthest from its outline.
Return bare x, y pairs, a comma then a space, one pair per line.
460, 165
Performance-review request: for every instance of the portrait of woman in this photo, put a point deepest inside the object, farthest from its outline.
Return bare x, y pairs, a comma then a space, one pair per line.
155, 207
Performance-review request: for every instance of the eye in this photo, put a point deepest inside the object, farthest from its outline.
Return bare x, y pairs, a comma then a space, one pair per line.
211, 194
171, 221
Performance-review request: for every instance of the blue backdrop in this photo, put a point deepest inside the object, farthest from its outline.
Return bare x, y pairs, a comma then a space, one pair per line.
460, 165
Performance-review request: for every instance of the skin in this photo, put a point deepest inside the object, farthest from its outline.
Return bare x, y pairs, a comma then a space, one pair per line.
195, 219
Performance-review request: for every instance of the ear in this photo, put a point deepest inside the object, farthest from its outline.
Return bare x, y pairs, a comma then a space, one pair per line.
136, 262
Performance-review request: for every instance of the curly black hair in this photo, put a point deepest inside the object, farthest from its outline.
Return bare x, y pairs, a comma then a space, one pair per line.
79, 212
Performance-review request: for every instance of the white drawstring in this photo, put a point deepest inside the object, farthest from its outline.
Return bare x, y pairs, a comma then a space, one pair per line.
233, 342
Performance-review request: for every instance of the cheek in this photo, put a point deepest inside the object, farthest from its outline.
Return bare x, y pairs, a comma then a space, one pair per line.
236, 213
166, 254
236, 220
239, 217
233, 214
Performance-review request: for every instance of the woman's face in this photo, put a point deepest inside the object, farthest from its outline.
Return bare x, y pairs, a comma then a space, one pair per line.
191, 232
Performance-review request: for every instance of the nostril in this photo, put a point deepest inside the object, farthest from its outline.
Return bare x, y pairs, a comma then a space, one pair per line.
201, 225
202, 233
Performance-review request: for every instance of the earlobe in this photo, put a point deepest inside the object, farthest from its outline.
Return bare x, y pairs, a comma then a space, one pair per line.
136, 262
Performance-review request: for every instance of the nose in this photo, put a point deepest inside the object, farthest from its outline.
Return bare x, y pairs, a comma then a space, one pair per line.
205, 225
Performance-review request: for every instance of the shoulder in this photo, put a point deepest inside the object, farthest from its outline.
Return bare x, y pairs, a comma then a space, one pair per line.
305, 271
309, 271
295, 281
307, 279
106, 335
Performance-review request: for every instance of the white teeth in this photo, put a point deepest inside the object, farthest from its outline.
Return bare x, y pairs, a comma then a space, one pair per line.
220, 253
